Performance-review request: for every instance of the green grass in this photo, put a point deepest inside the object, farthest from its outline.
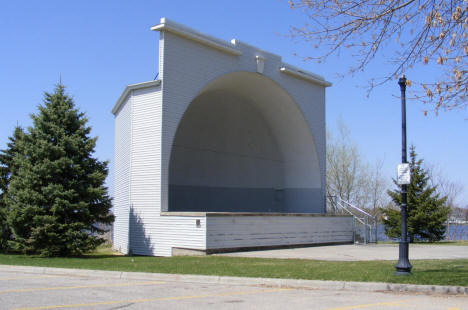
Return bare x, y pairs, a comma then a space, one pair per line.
434, 272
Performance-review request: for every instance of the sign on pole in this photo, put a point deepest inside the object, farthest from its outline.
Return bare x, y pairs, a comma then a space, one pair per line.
404, 176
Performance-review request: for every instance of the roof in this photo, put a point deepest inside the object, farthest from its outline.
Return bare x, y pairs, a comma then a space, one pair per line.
130, 88
305, 75
191, 34
232, 48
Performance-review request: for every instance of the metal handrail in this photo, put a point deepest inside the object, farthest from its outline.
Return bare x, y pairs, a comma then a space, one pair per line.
361, 220
354, 207
367, 221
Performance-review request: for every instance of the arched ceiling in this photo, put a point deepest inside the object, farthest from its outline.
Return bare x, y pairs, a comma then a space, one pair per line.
285, 120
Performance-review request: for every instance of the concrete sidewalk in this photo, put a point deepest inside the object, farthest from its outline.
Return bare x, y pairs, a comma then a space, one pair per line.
360, 252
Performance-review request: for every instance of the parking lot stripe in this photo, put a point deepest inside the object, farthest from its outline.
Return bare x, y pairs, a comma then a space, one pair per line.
27, 277
393, 303
54, 288
134, 301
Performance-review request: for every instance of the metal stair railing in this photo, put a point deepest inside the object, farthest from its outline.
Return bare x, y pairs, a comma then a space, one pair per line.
364, 224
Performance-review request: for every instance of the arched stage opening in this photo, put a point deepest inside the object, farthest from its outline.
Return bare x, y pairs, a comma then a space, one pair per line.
243, 145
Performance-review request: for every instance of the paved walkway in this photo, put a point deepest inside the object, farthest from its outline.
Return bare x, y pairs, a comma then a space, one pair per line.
361, 252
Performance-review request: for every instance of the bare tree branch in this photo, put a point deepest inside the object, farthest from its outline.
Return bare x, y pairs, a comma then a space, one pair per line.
426, 32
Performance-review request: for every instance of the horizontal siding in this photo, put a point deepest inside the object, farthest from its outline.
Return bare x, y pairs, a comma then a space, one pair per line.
145, 176
140, 193
146, 150
151, 234
166, 232
257, 231
121, 202
187, 66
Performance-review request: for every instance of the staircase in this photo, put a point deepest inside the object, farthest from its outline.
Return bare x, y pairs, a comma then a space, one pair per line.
364, 224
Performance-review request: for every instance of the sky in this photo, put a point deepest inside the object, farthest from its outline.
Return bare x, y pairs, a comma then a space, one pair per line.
99, 47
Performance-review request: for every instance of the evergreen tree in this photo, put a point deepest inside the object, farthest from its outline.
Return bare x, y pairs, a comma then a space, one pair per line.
427, 212
56, 196
6, 169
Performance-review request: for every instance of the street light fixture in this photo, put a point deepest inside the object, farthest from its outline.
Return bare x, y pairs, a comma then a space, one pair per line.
403, 267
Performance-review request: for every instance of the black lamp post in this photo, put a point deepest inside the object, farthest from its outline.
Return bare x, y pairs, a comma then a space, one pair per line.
403, 267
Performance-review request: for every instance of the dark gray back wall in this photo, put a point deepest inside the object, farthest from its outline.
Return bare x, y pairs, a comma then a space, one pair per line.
223, 199
224, 158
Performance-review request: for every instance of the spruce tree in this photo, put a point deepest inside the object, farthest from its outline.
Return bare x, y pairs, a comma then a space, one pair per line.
56, 196
6, 169
427, 212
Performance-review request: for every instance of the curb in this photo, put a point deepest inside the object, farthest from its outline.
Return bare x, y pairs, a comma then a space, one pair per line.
270, 282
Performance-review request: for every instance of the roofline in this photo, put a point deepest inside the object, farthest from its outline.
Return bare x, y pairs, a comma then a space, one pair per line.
237, 42
191, 34
131, 87
305, 75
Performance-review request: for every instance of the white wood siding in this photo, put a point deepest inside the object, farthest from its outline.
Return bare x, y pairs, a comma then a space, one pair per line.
224, 232
151, 234
121, 203
177, 232
189, 66
145, 126
145, 175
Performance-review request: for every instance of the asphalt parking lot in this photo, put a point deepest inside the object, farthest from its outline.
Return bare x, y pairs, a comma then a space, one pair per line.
22, 290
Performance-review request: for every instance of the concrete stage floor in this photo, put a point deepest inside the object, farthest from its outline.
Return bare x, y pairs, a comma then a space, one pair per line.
360, 252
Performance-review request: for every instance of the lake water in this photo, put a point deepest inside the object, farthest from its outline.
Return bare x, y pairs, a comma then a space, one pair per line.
456, 232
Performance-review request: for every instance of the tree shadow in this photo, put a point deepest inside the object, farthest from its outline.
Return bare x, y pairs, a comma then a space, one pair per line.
139, 242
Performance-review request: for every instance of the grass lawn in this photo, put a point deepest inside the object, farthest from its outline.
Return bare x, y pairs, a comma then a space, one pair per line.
434, 272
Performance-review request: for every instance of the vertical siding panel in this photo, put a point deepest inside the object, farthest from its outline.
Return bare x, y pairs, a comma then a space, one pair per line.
145, 175
139, 227
122, 160
151, 233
